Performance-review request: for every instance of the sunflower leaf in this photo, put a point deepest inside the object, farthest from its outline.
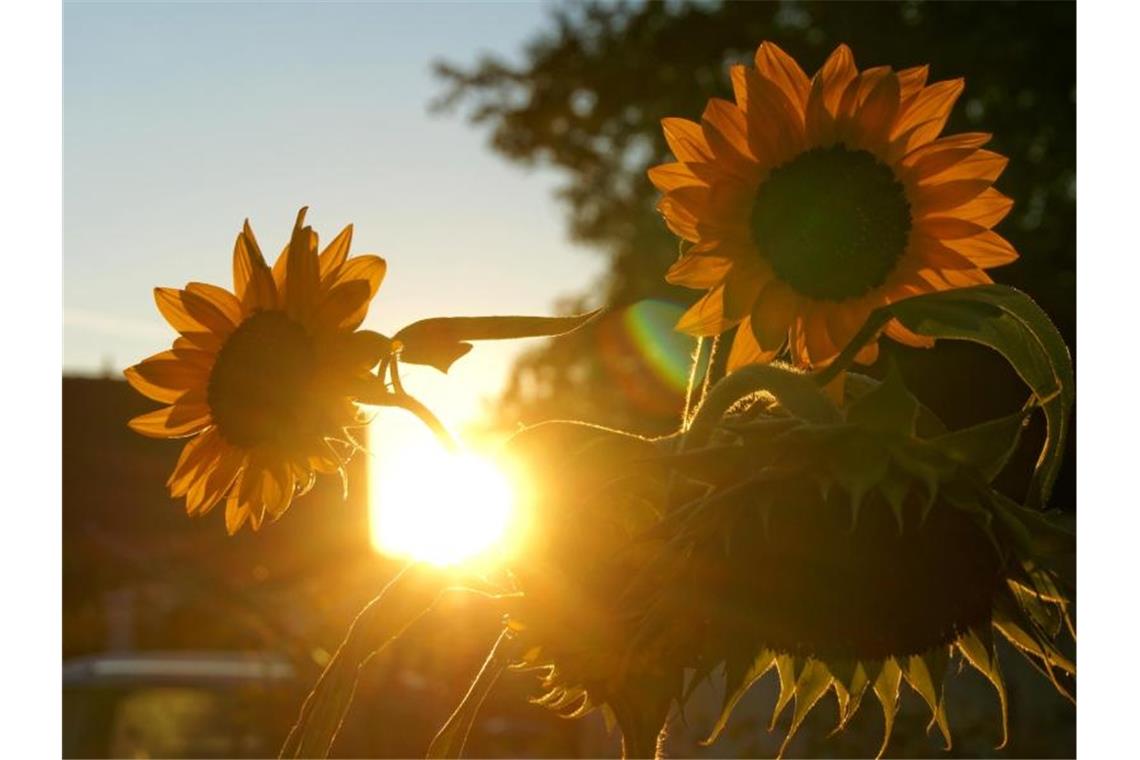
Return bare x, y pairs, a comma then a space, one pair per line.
1009, 322
889, 407
986, 447
440, 341
449, 741
408, 596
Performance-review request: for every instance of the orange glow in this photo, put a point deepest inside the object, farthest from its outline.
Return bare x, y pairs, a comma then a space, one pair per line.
432, 505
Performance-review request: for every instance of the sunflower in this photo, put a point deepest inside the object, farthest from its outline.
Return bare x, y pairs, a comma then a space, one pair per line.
260, 378
810, 202
857, 551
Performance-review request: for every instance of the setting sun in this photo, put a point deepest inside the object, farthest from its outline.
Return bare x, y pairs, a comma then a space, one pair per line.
432, 505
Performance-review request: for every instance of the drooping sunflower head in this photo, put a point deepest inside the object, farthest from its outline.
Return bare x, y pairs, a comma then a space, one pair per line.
595, 493
855, 555
261, 378
808, 203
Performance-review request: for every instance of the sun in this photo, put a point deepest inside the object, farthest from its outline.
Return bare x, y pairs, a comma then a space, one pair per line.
435, 506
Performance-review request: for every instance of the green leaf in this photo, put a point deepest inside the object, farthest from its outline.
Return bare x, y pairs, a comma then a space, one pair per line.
889, 407
440, 341
406, 597
986, 447
448, 743
1009, 322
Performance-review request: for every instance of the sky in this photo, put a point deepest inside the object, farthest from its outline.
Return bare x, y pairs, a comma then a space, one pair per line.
181, 120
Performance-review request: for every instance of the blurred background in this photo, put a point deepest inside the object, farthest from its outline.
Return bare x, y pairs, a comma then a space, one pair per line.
495, 154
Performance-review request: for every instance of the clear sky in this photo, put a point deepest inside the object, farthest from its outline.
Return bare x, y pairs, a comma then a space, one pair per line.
180, 120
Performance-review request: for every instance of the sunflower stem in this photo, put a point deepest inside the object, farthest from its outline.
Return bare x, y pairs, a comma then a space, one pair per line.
413, 405
689, 401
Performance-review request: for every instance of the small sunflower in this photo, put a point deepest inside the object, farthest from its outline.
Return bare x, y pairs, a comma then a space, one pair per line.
261, 378
810, 202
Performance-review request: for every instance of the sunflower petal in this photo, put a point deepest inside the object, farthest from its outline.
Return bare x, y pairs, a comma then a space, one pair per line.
783, 71
873, 121
668, 177
175, 421
369, 270
190, 313
911, 81
213, 484
986, 249
302, 271
827, 88
253, 282
987, 209
686, 140
197, 456
698, 271
335, 253
337, 309
745, 349
170, 375
224, 300
926, 113
706, 317
725, 129
772, 314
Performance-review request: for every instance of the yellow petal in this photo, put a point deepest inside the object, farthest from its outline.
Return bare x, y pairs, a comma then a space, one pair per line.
190, 313
986, 249
224, 300
335, 254
170, 375
175, 421
253, 282
773, 313
782, 70
745, 349
197, 456
686, 140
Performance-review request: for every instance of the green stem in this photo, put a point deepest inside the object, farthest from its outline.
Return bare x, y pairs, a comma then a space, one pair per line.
375, 393
689, 401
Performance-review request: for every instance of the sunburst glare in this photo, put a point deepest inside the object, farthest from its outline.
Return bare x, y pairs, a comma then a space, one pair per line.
432, 505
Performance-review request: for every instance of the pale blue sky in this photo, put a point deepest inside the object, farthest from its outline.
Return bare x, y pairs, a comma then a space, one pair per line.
182, 119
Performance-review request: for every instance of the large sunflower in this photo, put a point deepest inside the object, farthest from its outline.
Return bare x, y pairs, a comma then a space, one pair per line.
810, 202
261, 377
856, 550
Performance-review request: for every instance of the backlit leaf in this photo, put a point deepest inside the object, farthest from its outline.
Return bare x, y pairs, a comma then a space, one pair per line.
888, 407
406, 597
985, 447
448, 743
440, 341
1009, 322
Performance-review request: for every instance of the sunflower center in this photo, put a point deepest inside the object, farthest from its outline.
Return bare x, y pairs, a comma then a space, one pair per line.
259, 389
832, 222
